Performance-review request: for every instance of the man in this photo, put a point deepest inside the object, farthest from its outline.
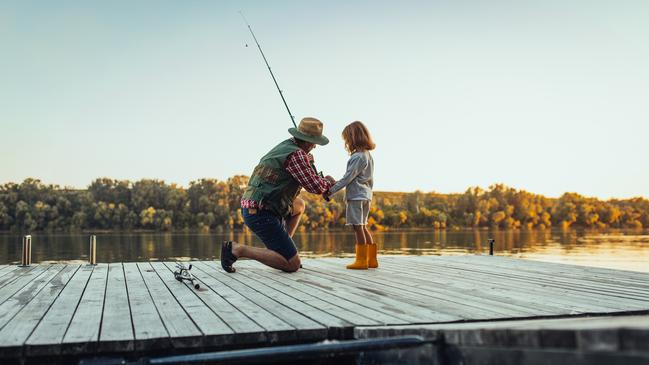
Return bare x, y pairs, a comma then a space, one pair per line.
270, 204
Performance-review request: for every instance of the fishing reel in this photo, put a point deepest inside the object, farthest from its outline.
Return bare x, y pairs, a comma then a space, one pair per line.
184, 273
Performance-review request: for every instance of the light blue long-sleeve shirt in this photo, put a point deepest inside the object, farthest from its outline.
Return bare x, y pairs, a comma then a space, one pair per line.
358, 179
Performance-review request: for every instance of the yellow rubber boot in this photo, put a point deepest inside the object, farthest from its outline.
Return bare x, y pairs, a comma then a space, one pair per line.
372, 262
361, 258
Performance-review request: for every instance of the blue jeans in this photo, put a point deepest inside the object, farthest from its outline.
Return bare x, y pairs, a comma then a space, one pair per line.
271, 230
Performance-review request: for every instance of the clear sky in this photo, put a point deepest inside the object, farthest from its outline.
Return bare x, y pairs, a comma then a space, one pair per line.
547, 96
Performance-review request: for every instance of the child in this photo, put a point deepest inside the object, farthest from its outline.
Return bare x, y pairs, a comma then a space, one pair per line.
358, 182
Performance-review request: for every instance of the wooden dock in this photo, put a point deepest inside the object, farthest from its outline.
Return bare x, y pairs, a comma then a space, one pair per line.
140, 309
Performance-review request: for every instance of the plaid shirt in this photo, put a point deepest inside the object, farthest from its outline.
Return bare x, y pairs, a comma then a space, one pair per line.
298, 164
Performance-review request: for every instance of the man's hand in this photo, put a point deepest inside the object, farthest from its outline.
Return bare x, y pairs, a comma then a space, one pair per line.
330, 179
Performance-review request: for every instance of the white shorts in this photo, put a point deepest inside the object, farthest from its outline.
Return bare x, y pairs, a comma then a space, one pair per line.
357, 212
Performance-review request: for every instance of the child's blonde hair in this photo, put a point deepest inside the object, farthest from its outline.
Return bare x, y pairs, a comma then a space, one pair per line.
357, 138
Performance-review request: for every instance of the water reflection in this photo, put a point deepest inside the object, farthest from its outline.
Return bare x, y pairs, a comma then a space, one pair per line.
619, 248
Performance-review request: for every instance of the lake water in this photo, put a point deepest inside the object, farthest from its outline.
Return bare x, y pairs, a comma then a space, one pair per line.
627, 250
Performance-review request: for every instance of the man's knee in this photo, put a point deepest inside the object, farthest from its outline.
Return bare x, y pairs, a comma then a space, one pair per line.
294, 264
299, 205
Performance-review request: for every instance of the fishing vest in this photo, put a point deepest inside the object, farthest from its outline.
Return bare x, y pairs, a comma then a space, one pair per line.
271, 185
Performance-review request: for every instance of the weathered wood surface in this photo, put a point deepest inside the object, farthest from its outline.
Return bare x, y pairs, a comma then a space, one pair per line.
50, 310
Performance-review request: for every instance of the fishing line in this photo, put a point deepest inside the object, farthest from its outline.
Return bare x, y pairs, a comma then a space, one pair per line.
269, 69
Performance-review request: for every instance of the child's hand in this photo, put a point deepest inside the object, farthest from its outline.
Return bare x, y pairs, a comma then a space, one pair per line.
330, 179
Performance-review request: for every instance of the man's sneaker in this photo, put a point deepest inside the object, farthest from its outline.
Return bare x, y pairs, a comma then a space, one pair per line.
227, 257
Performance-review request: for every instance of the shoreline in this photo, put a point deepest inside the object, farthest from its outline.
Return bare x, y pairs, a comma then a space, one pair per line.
337, 230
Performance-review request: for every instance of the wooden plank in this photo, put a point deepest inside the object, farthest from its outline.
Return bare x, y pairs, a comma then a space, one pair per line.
568, 299
507, 283
215, 331
20, 278
16, 272
306, 328
509, 289
555, 291
581, 269
471, 287
26, 293
460, 303
183, 332
48, 335
83, 333
267, 279
404, 284
359, 293
568, 277
300, 282
408, 302
6, 269
16, 332
335, 324
611, 283
476, 286
276, 329
149, 331
418, 313
116, 334
246, 331
585, 271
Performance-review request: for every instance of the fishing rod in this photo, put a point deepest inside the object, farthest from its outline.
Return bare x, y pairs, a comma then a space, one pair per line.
271, 71
278, 89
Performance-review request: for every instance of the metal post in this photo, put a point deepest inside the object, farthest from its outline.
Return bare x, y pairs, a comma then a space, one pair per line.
491, 246
26, 259
92, 256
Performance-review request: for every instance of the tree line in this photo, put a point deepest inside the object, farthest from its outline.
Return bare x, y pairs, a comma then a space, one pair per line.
213, 205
